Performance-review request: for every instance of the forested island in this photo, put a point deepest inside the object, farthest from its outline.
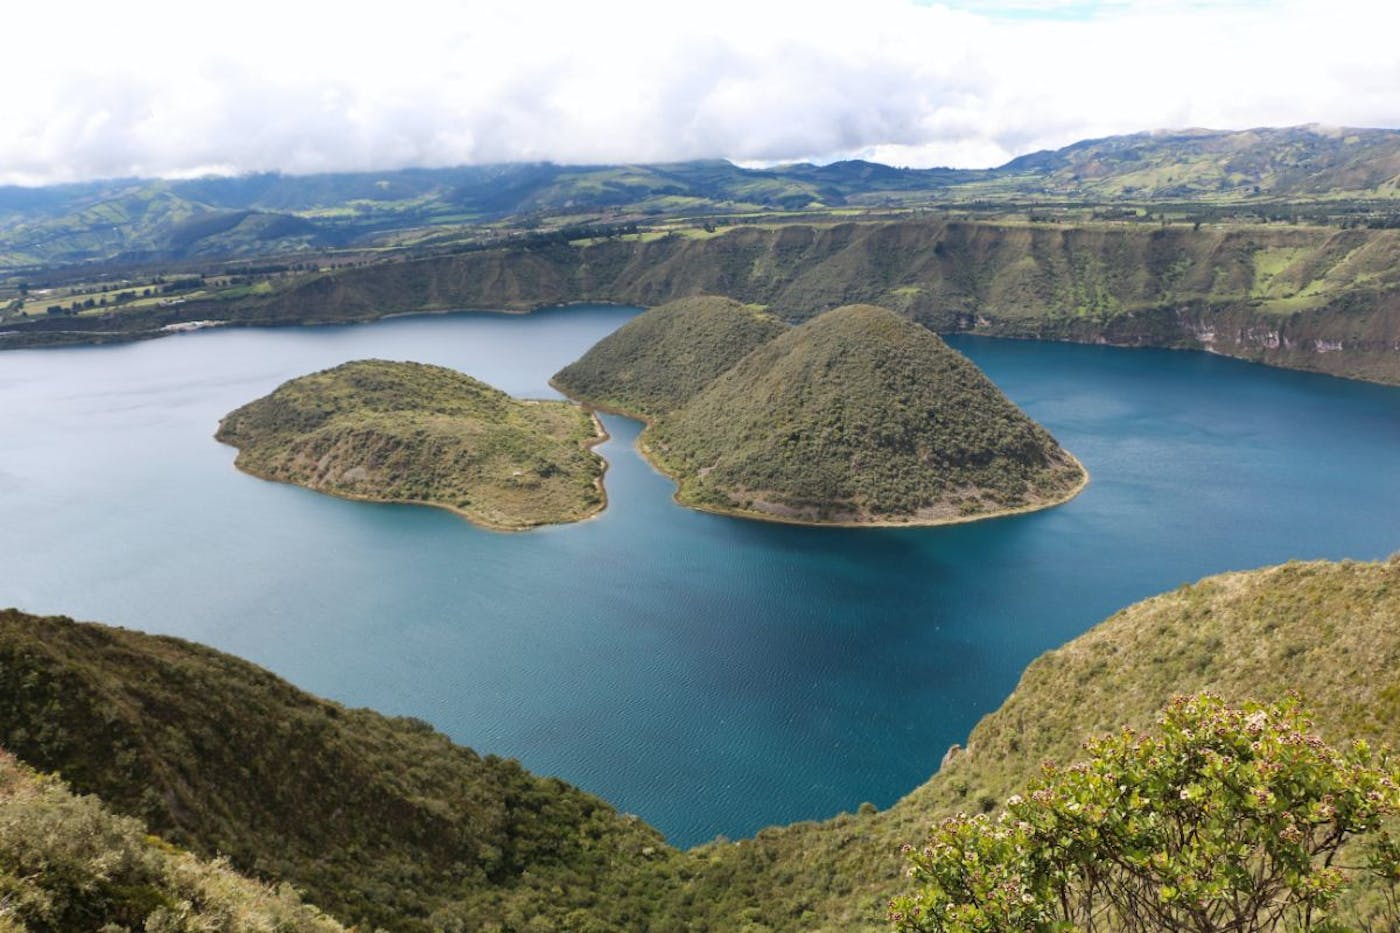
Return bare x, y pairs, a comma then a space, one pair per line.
858, 417
410, 432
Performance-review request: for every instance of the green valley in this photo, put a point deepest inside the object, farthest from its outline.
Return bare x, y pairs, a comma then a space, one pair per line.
1309, 170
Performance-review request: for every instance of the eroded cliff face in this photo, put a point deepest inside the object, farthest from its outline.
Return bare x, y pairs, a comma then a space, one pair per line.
1310, 298
1356, 335
1305, 297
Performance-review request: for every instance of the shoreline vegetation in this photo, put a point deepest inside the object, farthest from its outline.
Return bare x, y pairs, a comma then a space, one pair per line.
413, 434
857, 418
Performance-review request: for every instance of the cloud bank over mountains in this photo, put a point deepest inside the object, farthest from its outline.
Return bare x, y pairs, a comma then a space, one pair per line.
151, 87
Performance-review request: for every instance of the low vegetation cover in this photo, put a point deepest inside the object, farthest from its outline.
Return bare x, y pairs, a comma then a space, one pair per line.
1330, 631
661, 359
409, 432
379, 821
1220, 819
859, 415
69, 863
1276, 162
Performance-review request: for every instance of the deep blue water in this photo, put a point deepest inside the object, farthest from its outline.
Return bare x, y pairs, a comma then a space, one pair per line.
712, 675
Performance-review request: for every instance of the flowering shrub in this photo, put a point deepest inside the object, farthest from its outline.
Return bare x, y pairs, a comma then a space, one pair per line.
1226, 819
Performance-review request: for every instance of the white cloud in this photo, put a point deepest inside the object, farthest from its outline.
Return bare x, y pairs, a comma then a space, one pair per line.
150, 87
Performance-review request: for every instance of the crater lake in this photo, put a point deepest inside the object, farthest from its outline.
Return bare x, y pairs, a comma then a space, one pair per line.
712, 675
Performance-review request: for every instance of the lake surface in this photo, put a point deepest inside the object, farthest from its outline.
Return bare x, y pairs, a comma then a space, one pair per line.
712, 675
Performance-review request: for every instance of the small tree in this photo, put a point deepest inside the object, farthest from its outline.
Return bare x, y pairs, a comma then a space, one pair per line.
1227, 819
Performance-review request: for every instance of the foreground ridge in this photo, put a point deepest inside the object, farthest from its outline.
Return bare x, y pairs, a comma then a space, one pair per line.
383, 821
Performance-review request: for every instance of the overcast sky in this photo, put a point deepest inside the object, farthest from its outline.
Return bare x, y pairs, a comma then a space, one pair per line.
150, 87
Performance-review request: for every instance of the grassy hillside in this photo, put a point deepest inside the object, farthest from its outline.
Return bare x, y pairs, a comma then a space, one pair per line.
659, 360
1306, 297
69, 863
1328, 630
155, 221
409, 432
379, 821
859, 416
385, 821
1298, 161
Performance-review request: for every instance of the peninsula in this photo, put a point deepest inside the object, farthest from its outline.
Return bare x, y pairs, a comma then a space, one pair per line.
414, 433
860, 417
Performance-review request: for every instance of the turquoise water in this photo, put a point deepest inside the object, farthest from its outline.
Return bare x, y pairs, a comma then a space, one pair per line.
709, 674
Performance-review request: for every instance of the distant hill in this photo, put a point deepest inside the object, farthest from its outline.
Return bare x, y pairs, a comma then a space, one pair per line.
144, 221
1301, 161
409, 432
153, 221
660, 360
381, 821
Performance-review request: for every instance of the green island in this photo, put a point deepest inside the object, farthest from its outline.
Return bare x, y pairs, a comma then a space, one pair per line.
381, 821
858, 417
414, 433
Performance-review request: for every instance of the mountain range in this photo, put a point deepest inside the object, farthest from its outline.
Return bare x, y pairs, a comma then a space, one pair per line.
151, 221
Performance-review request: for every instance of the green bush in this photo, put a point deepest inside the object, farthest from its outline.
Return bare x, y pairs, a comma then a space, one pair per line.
1226, 819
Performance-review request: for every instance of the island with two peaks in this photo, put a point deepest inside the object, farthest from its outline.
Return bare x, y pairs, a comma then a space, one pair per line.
414, 433
857, 417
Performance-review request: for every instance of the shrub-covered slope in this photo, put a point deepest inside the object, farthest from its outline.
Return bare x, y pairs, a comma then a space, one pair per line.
1328, 630
659, 360
383, 820
69, 863
409, 432
380, 821
859, 415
